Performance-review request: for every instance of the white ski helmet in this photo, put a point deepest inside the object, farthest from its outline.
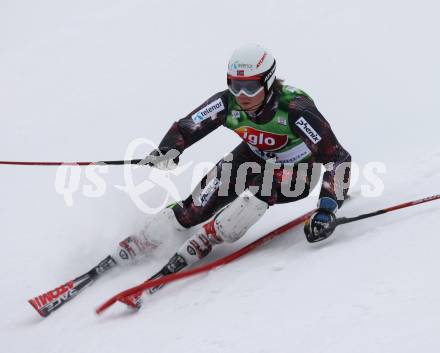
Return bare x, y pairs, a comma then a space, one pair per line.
252, 62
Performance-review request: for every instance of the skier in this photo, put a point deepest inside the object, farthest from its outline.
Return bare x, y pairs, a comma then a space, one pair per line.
282, 131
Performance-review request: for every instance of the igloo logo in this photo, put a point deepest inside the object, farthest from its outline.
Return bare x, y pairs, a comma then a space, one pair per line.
263, 140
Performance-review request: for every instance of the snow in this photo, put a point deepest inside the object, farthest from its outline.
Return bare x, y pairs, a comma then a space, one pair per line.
81, 80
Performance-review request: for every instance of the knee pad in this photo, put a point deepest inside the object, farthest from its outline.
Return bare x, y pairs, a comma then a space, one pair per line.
163, 228
236, 218
229, 226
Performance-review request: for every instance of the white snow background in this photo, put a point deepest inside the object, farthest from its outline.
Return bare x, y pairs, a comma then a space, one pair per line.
80, 80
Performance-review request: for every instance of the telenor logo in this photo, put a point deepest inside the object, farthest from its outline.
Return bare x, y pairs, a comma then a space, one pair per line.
309, 131
209, 111
263, 140
238, 65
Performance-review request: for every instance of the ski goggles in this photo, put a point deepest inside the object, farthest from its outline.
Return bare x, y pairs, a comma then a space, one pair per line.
249, 87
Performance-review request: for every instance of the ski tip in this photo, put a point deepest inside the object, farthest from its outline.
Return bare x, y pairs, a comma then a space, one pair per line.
36, 307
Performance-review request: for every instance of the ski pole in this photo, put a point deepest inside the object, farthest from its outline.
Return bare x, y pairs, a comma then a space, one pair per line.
345, 220
119, 162
149, 160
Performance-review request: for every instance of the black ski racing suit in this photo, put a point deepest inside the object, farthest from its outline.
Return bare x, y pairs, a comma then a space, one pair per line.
185, 132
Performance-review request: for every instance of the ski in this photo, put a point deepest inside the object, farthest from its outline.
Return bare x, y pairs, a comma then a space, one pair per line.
46, 303
132, 296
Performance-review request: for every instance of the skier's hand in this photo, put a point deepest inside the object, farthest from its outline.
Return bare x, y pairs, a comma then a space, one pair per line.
164, 158
323, 222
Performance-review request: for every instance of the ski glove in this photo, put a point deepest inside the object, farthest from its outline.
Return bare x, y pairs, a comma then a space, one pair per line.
164, 158
323, 222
